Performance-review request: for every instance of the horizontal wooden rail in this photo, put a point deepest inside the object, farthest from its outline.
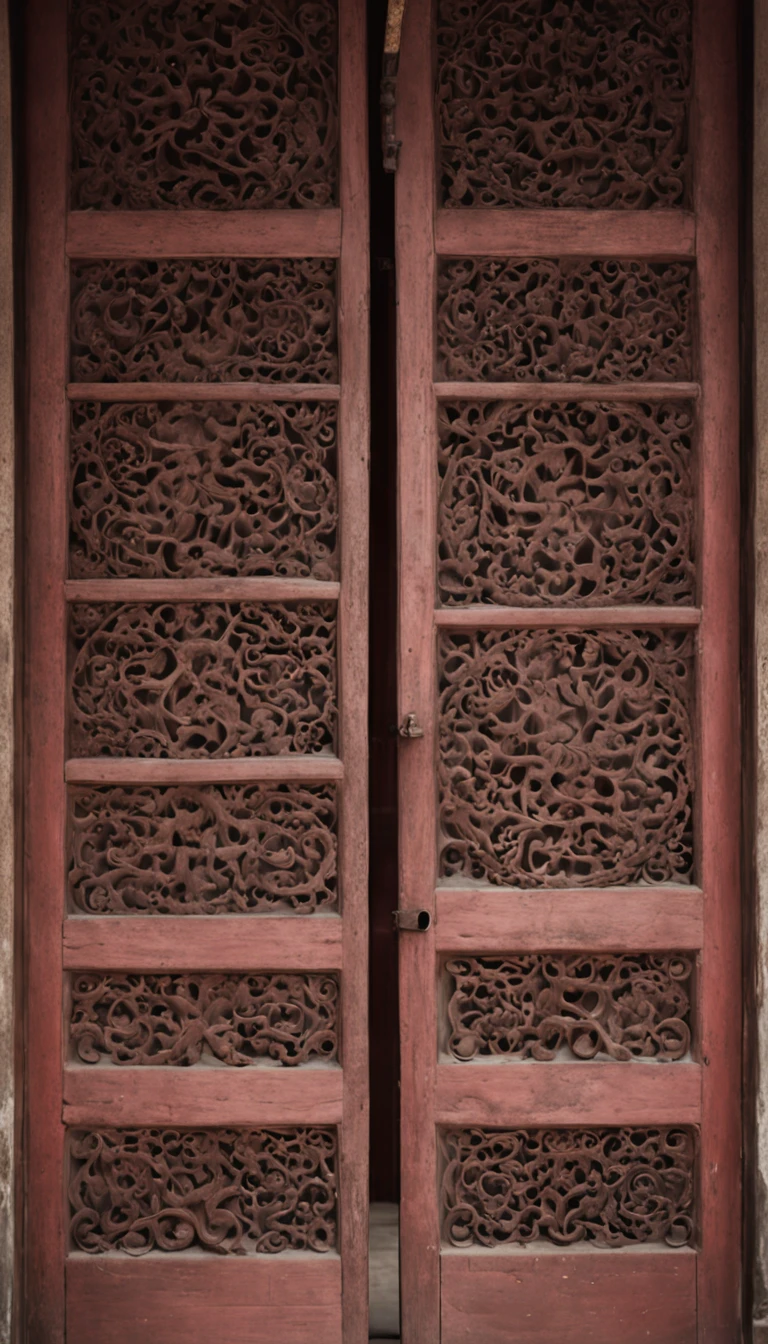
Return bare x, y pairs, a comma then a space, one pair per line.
484, 616
583, 1093
199, 1298
564, 1295
267, 589
619, 919
246, 392
253, 1095
660, 234
244, 770
535, 391
94, 234
202, 942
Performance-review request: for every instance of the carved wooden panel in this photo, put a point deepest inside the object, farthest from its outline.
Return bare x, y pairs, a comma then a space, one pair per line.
566, 503
188, 489
575, 320
230, 1191
555, 103
181, 1019
217, 105
204, 321
539, 1005
202, 679
205, 850
566, 757
610, 1187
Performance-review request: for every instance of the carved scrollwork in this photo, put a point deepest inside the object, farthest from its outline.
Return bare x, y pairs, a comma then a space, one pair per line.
610, 1187
204, 321
570, 320
202, 850
203, 679
533, 1005
566, 757
230, 1191
569, 503
564, 103
213, 105
180, 1019
210, 488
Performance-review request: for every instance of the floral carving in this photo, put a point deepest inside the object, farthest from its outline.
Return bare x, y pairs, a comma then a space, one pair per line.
610, 1187
202, 679
204, 321
181, 1019
565, 503
213, 105
534, 1005
572, 320
202, 850
177, 491
231, 1191
566, 757
564, 103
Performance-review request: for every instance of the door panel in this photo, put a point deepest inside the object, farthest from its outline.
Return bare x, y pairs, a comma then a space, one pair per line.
568, 542
196, 771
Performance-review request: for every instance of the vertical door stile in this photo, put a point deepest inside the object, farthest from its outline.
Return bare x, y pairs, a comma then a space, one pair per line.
196, 710
416, 421
716, 159
45, 668
354, 437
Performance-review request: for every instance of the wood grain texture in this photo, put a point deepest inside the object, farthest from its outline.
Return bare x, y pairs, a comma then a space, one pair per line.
195, 233
122, 1095
610, 920
585, 1093
45, 458
241, 392
271, 589
540, 391
354, 438
242, 770
660, 234
608, 1297
201, 942
716, 157
199, 1299
417, 514
483, 616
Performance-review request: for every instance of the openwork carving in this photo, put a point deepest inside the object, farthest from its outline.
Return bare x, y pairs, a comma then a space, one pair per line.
579, 321
204, 321
202, 679
566, 757
180, 1019
213, 105
206, 850
534, 1005
231, 1191
565, 503
211, 488
564, 103
612, 1187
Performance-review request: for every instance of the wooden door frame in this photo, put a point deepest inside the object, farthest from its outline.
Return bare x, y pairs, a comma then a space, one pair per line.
705, 919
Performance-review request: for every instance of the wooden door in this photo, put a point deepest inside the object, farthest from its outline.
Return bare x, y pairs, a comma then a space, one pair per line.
568, 430
196, 676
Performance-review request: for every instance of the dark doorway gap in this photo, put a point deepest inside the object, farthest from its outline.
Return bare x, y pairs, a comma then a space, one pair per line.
383, 980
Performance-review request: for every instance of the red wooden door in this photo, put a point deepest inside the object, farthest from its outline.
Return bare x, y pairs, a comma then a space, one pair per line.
568, 428
196, 676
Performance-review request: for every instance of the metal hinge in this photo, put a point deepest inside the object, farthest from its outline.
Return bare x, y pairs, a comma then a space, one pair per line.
412, 921
388, 97
410, 727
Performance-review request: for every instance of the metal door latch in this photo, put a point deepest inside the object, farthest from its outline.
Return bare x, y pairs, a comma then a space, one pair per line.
410, 727
412, 921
